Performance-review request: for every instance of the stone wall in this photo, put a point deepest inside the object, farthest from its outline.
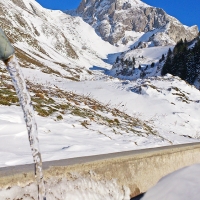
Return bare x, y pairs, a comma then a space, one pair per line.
138, 170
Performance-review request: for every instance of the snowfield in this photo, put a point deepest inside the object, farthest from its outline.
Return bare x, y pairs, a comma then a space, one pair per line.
83, 109
168, 105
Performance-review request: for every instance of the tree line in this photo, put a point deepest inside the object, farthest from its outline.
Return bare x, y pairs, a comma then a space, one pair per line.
184, 61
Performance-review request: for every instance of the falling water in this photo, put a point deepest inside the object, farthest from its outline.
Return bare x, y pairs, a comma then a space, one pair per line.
25, 102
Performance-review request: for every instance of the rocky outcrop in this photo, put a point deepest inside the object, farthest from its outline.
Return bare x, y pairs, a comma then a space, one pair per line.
112, 18
177, 31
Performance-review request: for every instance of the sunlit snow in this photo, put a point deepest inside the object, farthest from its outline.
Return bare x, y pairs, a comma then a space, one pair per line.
167, 104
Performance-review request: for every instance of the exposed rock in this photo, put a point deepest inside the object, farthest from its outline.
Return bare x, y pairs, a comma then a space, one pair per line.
104, 29
111, 19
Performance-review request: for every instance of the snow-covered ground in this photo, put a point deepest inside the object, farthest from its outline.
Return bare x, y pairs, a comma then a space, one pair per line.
168, 105
104, 114
166, 108
153, 112
144, 57
182, 184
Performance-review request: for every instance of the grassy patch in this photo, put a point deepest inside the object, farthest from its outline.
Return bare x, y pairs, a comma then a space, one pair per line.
55, 102
8, 97
59, 117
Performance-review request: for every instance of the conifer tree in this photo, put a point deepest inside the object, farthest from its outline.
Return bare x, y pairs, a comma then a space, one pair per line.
183, 61
152, 64
133, 60
117, 59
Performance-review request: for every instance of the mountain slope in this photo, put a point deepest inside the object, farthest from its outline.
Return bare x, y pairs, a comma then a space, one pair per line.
51, 40
79, 109
54, 48
117, 20
181, 60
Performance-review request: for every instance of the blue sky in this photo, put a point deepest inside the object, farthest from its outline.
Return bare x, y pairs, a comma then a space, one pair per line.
187, 11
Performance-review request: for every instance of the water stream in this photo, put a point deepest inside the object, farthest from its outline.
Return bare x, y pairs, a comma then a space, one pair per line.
25, 102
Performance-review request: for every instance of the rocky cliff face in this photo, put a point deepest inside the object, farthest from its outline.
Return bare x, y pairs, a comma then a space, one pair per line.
113, 18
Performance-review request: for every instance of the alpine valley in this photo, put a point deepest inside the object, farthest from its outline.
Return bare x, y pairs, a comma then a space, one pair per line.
97, 80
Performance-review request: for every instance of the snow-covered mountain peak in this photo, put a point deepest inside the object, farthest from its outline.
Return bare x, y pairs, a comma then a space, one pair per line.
118, 4
116, 21
131, 3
